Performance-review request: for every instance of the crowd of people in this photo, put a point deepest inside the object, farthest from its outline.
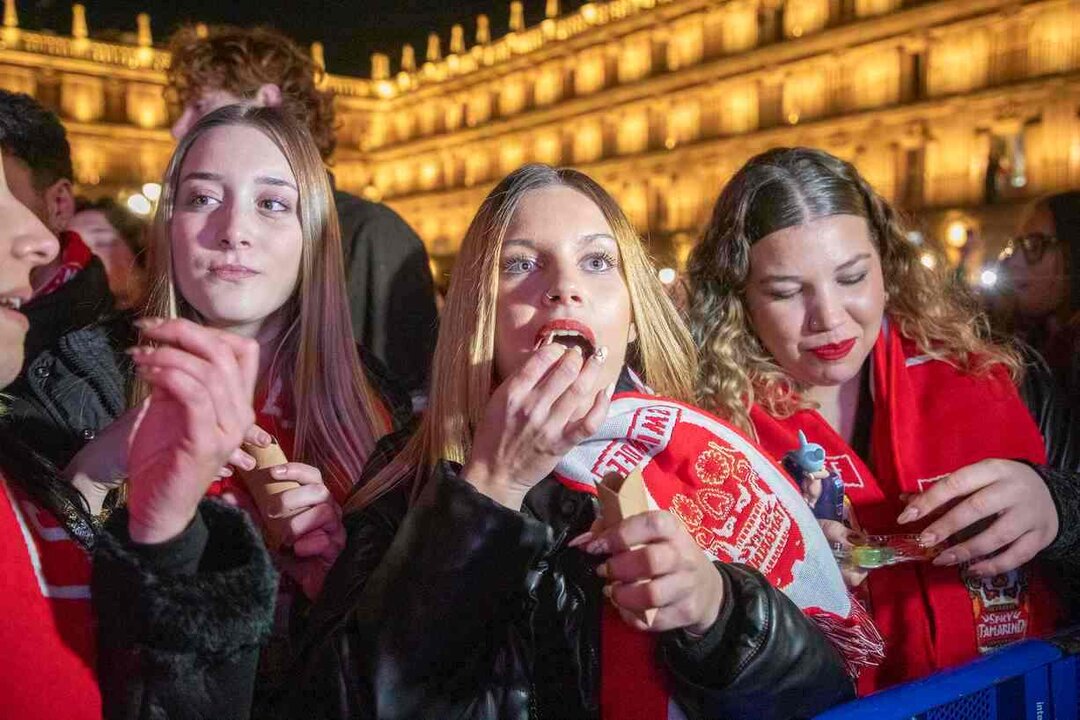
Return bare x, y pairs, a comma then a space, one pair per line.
441, 539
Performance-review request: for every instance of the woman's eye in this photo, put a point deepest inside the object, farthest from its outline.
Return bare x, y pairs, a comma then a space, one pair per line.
518, 266
782, 294
599, 263
200, 200
272, 205
852, 279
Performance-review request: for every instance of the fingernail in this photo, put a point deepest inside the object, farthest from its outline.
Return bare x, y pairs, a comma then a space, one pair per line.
580, 539
601, 354
597, 547
601, 570
577, 349
148, 323
908, 515
946, 558
277, 471
927, 539
264, 437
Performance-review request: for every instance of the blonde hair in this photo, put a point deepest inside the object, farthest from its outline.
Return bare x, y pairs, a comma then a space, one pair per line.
788, 187
463, 373
338, 415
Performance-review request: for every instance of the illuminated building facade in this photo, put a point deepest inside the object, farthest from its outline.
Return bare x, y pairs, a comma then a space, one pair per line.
956, 110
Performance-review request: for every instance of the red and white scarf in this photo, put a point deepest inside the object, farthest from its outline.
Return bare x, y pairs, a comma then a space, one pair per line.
739, 506
930, 419
47, 627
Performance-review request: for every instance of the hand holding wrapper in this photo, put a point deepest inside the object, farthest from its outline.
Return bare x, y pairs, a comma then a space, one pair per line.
263, 487
621, 498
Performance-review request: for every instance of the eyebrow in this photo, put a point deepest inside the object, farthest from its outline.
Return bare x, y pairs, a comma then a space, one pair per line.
795, 278
583, 240
217, 177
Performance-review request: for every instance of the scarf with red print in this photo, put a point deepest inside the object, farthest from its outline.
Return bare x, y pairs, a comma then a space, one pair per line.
930, 419
738, 505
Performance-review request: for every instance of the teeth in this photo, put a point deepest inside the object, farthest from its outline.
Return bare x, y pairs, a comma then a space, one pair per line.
12, 302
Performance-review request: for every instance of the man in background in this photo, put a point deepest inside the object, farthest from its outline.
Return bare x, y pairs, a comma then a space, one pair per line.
73, 380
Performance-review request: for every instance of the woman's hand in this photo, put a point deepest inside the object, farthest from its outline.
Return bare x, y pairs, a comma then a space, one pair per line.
655, 563
202, 384
1008, 494
533, 419
307, 519
102, 464
839, 534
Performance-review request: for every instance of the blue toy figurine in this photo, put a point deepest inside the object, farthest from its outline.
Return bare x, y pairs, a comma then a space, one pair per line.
822, 488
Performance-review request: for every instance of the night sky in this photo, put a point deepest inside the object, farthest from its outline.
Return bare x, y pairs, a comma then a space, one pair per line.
350, 31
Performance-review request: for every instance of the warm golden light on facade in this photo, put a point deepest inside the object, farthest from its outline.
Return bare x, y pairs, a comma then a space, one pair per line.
802, 17
738, 108
958, 61
876, 78
944, 106
633, 132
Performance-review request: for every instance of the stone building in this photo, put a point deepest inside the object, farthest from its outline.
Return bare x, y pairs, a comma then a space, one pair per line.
958, 111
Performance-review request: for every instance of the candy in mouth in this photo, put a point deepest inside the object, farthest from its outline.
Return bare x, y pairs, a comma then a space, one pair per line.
569, 337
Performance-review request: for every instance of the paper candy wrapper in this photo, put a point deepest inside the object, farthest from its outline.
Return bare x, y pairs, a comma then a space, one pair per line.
620, 498
262, 486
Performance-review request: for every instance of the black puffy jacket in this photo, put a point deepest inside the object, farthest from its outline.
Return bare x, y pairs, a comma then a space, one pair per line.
75, 378
457, 607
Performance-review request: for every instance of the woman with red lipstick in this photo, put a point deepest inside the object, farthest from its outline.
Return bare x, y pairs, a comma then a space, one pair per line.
476, 582
812, 313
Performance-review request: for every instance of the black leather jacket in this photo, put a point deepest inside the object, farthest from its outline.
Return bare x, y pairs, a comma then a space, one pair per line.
457, 607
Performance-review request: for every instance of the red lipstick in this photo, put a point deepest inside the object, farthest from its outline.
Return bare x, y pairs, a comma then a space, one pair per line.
835, 351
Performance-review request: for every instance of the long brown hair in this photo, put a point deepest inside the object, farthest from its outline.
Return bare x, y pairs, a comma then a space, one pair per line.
788, 187
338, 414
463, 366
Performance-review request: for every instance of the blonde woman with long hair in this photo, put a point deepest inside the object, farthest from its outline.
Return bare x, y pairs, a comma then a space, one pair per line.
473, 583
813, 313
245, 240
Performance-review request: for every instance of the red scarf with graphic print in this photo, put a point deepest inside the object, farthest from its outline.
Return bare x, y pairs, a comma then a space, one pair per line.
738, 505
930, 419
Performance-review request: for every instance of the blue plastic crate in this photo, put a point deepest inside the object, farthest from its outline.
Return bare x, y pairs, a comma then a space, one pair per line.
1032, 680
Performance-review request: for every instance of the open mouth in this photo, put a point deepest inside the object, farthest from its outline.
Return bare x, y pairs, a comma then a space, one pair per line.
569, 334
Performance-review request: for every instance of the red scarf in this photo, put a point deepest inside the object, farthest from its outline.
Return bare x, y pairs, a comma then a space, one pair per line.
274, 413
738, 505
47, 628
74, 257
930, 419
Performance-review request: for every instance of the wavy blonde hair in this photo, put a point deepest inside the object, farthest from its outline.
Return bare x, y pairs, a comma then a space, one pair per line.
338, 415
463, 374
787, 187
